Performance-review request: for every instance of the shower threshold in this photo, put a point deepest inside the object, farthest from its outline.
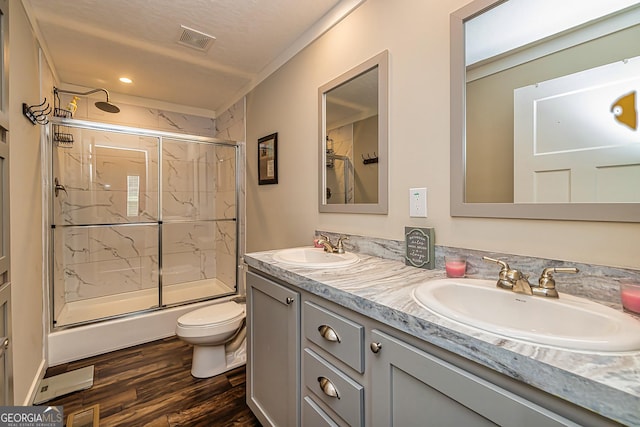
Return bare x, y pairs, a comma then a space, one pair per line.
87, 310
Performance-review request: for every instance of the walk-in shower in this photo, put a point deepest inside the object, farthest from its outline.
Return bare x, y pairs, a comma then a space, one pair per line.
140, 221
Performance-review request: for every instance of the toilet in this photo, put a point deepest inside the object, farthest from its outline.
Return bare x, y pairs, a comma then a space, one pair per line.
216, 332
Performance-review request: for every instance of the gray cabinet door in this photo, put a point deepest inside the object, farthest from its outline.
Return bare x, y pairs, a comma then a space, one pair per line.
411, 387
273, 365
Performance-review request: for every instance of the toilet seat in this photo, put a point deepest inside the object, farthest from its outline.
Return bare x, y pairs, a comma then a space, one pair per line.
213, 315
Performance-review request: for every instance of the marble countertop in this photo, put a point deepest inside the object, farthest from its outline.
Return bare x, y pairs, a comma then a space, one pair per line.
608, 384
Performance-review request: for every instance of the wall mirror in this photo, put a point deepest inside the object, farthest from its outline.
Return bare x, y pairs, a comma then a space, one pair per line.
544, 113
353, 139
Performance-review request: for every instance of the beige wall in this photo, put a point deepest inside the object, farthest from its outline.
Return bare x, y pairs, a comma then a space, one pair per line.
365, 146
417, 37
26, 210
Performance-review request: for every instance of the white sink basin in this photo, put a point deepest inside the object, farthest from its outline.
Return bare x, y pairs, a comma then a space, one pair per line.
568, 322
314, 258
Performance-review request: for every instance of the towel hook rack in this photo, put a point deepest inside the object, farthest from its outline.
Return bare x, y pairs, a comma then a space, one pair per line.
35, 114
370, 159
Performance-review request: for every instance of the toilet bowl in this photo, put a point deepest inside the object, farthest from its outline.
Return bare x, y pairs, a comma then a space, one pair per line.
208, 329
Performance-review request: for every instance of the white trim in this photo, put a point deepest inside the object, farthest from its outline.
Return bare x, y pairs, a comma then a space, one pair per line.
328, 21
39, 38
33, 390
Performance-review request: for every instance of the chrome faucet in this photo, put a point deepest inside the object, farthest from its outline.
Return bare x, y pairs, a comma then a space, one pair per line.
338, 248
517, 282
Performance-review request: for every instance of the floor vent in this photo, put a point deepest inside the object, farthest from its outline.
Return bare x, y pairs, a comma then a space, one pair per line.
68, 382
195, 39
85, 417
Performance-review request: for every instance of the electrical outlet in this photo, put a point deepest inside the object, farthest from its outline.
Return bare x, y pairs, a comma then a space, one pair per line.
418, 202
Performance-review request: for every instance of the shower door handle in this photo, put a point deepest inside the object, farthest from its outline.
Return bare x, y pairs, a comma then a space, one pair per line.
57, 187
4, 345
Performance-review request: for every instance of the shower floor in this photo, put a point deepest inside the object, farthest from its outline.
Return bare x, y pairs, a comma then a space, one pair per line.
113, 305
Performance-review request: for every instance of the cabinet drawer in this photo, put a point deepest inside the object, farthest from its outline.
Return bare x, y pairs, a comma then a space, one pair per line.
337, 390
313, 415
337, 335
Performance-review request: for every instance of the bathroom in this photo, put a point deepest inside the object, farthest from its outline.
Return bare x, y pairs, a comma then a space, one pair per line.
416, 35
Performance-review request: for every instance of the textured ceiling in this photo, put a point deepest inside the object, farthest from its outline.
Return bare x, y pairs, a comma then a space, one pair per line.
92, 43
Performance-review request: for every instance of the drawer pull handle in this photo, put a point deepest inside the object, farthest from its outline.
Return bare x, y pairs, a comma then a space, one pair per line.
328, 333
375, 347
289, 300
328, 388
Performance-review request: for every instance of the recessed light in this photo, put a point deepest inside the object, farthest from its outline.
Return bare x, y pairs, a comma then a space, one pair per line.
126, 80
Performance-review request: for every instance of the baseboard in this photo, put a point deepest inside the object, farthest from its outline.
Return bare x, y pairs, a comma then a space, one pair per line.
33, 390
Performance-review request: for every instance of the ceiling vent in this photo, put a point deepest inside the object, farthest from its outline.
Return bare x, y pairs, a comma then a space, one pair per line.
195, 39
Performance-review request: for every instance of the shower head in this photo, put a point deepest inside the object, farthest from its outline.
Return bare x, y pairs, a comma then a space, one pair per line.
105, 106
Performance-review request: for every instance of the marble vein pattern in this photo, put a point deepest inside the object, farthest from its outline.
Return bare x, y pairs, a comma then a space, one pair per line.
105, 260
95, 172
231, 125
104, 247
381, 248
188, 186
596, 282
380, 288
188, 252
144, 117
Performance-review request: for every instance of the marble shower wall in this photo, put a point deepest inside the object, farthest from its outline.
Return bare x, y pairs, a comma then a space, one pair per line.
143, 117
198, 211
230, 125
198, 199
93, 262
95, 170
109, 179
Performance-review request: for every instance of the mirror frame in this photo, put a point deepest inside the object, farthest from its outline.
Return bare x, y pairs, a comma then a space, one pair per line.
381, 61
615, 212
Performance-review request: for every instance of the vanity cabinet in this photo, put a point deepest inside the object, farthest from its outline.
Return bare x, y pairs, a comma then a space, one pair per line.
333, 386
356, 371
409, 384
273, 351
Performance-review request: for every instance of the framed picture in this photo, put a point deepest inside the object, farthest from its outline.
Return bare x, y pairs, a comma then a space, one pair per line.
268, 159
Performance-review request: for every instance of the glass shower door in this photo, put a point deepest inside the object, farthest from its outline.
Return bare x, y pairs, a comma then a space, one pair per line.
198, 221
105, 225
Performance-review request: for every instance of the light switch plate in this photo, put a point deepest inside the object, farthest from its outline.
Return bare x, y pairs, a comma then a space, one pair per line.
418, 202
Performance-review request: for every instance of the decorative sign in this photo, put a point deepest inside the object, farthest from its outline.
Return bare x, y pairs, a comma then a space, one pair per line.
420, 247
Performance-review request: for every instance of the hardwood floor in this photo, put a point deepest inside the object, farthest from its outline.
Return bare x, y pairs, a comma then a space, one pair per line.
151, 385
